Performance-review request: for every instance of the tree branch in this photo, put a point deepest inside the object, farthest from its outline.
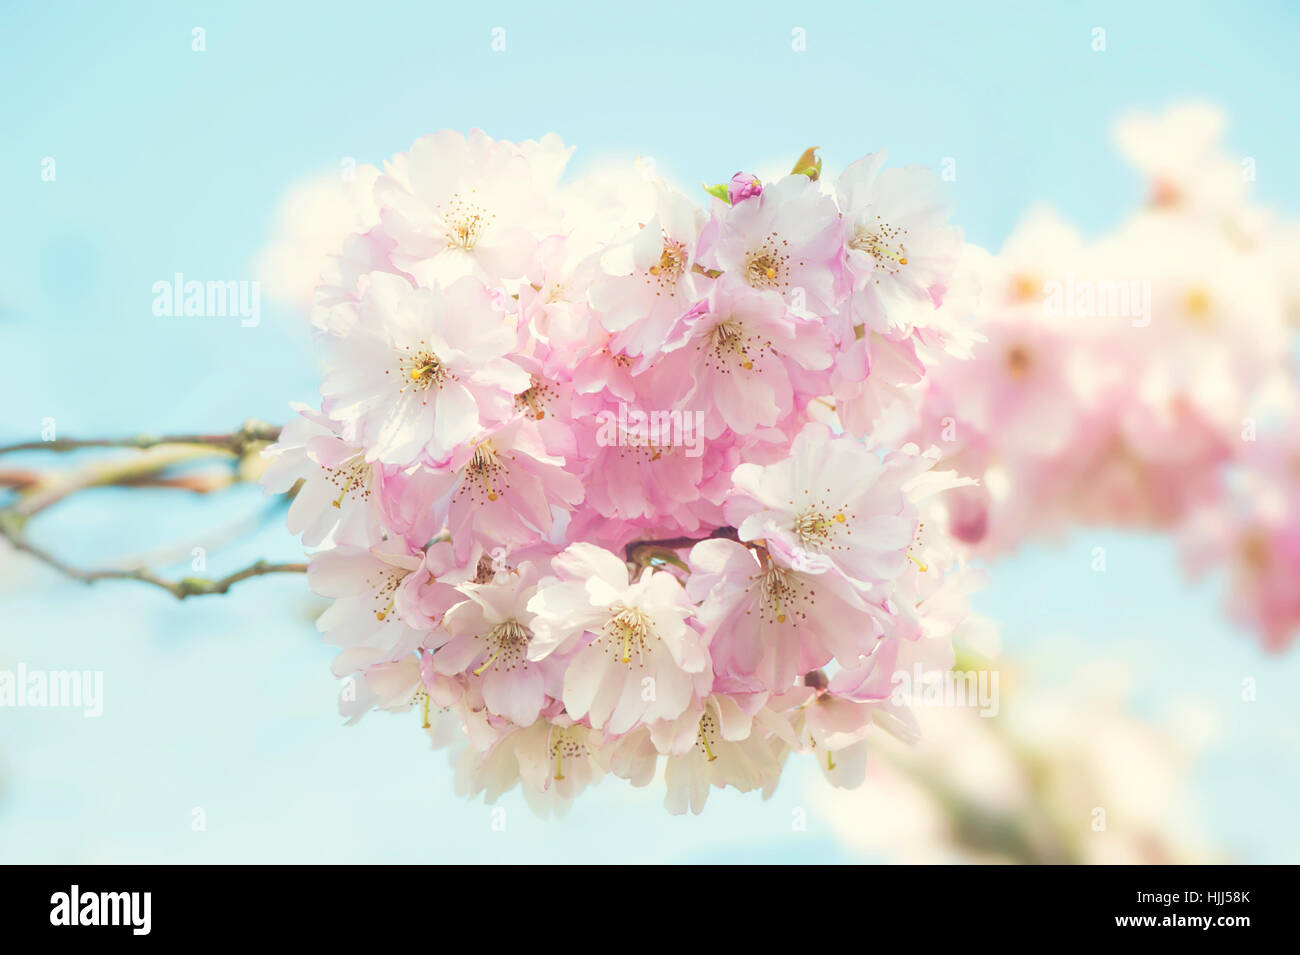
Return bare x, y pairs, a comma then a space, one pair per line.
639, 551
236, 442
146, 465
180, 589
157, 455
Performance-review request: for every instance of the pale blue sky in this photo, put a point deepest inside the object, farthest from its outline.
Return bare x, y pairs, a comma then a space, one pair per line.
170, 160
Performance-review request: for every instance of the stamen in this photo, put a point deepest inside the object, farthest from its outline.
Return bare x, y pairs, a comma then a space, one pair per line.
704, 738
490, 660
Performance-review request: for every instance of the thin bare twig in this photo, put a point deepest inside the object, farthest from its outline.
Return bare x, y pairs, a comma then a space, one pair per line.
53, 488
145, 469
180, 589
21, 479
236, 442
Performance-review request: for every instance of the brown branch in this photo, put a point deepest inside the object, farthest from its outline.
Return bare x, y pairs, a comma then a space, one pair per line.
10, 529
121, 472
22, 478
638, 551
252, 432
157, 454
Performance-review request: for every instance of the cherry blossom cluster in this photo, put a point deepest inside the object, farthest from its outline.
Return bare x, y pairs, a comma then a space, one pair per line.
1140, 380
600, 481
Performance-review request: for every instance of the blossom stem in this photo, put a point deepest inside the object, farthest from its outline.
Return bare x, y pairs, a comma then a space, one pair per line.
638, 552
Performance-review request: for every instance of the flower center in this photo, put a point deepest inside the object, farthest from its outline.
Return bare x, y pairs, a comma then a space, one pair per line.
465, 221
1019, 361
1254, 551
566, 741
419, 368
768, 266
671, 264
707, 736
1198, 308
384, 593
783, 595
533, 400
883, 243
352, 478
628, 630
1026, 287
727, 345
485, 474
817, 528
507, 646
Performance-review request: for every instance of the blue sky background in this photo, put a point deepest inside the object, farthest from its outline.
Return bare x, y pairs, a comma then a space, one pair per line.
170, 160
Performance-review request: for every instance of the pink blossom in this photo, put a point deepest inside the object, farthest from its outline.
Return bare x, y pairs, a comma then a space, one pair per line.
900, 250
646, 283
469, 205
336, 499
422, 371
489, 637
788, 240
832, 505
740, 352
743, 185
635, 657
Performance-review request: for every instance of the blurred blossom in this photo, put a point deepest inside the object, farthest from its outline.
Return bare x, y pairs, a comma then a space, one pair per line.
1060, 775
310, 227
1123, 378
